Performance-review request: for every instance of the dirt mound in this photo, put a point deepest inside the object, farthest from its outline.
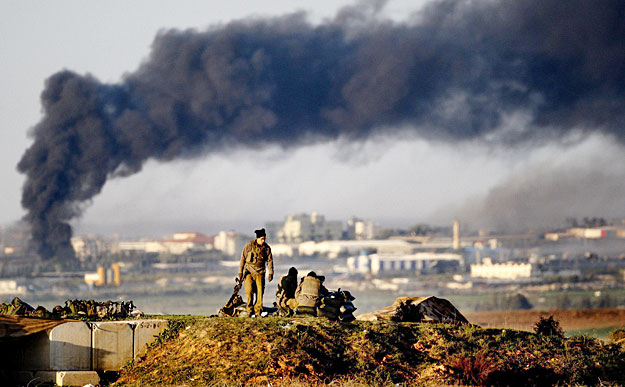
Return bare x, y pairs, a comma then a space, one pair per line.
570, 320
316, 351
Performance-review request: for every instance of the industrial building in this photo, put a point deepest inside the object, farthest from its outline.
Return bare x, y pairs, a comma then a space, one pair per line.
507, 270
417, 263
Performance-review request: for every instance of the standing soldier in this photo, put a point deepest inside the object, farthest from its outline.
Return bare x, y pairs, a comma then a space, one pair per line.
286, 293
256, 254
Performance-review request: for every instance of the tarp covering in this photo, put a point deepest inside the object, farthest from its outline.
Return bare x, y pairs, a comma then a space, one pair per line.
18, 326
418, 309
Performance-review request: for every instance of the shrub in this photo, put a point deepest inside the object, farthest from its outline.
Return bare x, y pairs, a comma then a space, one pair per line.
548, 327
472, 370
618, 335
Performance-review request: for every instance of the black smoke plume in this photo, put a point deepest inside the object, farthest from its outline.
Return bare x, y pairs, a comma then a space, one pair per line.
455, 72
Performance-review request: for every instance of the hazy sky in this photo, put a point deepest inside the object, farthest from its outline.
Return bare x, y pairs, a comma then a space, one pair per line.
398, 180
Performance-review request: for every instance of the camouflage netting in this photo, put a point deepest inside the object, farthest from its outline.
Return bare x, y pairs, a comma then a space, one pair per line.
418, 309
19, 326
72, 309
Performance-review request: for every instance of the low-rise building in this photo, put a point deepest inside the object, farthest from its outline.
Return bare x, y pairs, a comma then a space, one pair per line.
87, 247
360, 229
417, 263
303, 227
334, 249
230, 242
185, 242
507, 270
283, 250
180, 243
12, 287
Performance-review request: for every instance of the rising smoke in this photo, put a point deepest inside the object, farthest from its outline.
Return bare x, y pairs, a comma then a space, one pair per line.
557, 182
454, 73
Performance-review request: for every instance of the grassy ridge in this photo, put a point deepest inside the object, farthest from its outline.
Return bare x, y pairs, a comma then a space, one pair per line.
200, 351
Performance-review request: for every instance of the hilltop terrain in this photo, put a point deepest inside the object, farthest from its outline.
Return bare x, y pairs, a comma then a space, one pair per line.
202, 351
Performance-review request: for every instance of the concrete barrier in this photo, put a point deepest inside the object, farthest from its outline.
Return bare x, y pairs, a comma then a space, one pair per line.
73, 347
66, 378
145, 332
70, 347
111, 345
77, 378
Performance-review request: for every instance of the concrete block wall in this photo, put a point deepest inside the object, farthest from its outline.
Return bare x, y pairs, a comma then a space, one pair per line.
70, 347
112, 345
81, 346
145, 332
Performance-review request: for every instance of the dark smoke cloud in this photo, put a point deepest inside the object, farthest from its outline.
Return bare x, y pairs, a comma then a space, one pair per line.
543, 197
453, 74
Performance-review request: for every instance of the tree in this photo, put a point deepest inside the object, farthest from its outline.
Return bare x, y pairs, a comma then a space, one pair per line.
548, 327
517, 302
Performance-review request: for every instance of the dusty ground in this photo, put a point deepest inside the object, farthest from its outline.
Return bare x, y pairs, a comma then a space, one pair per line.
570, 320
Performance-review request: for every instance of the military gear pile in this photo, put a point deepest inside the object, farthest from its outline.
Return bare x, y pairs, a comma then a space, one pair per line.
72, 309
91, 308
16, 307
337, 306
334, 306
235, 300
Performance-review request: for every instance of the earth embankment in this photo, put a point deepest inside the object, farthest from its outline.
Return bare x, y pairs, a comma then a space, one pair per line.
222, 351
570, 320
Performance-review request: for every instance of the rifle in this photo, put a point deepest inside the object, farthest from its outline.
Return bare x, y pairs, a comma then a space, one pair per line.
235, 300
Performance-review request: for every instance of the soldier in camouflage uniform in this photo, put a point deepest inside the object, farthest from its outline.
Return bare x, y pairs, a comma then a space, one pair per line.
286, 293
310, 290
255, 256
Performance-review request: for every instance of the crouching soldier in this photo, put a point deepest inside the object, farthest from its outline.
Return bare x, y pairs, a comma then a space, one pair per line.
286, 293
255, 256
308, 292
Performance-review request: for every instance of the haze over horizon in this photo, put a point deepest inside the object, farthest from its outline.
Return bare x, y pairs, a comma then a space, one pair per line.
503, 130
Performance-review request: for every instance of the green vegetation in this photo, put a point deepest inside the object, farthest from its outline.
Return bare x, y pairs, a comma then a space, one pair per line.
543, 300
221, 351
598, 333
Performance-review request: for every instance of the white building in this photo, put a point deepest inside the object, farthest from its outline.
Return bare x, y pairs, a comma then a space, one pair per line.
333, 249
180, 243
508, 270
146, 246
11, 287
402, 263
86, 247
185, 242
360, 229
304, 227
283, 250
230, 242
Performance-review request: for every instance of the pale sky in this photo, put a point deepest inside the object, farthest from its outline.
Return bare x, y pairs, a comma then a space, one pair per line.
398, 181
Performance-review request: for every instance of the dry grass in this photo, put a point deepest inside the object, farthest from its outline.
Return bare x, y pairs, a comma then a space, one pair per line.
294, 352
